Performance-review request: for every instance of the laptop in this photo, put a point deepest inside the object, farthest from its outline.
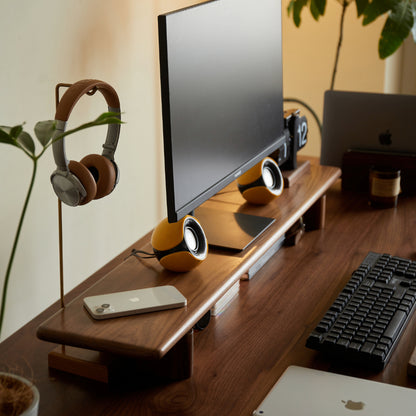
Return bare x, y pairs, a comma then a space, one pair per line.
369, 122
305, 392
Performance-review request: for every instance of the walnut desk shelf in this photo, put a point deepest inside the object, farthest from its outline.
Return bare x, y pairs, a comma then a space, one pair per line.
162, 342
241, 354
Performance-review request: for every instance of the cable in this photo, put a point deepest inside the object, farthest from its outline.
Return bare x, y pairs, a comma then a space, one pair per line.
140, 254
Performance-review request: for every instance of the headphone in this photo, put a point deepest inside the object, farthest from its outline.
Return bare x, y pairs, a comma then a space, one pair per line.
94, 176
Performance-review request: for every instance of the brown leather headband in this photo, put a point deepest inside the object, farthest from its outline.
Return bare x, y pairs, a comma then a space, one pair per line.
77, 90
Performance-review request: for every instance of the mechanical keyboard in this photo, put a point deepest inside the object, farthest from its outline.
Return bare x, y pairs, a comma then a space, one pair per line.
365, 322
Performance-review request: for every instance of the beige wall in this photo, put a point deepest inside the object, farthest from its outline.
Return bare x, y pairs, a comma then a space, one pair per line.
48, 41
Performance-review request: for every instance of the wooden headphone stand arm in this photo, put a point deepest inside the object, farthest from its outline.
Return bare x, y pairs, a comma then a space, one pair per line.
61, 255
66, 85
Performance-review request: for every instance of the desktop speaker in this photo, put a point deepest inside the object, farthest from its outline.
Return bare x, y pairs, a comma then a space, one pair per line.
180, 246
262, 183
94, 176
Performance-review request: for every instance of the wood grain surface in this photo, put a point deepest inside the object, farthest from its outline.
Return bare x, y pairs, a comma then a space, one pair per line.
243, 351
152, 335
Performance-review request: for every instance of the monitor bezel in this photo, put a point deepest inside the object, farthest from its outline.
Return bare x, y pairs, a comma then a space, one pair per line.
176, 213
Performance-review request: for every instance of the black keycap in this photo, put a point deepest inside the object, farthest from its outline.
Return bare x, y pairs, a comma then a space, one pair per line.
395, 324
367, 347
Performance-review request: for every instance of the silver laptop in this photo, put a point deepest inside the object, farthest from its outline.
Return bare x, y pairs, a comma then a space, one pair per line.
306, 392
369, 122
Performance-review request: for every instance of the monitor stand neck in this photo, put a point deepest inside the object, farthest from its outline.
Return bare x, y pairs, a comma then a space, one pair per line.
230, 230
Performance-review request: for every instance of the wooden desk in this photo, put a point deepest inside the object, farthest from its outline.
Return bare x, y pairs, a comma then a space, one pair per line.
243, 352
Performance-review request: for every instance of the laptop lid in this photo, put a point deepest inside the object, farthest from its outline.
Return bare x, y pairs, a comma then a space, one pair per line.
367, 121
306, 392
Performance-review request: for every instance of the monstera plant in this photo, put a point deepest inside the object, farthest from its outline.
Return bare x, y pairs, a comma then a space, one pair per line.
17, 137
399, 15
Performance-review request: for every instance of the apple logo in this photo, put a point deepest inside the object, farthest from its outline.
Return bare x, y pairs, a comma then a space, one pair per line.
351, 405
385, 138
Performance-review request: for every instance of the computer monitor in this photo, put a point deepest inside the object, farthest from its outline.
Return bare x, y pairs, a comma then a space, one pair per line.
222, 101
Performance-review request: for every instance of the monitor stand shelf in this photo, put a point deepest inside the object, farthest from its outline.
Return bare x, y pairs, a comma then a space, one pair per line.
161, 343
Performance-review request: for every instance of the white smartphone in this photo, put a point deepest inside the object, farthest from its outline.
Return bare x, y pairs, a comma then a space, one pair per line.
132, 302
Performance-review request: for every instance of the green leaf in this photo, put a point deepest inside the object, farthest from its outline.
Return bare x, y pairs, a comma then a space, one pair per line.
290, 7
15, 131
105, 118
44, 130
108, 118
361, 6
377, 8
5, 137
296, 6
396, 29
317, 8
402, 18
6, 129
26, 141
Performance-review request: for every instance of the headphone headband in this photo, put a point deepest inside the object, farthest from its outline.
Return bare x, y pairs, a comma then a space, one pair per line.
77, 90
64, 109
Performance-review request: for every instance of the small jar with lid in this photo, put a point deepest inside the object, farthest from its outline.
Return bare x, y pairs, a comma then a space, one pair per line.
384, 187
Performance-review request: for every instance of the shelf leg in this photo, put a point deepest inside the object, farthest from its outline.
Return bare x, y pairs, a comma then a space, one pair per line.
177, 364
314, 218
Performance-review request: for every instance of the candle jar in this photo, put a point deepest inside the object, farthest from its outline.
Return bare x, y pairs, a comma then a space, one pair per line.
384, 187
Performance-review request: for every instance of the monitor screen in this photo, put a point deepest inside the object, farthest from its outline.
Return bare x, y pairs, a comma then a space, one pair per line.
222, 103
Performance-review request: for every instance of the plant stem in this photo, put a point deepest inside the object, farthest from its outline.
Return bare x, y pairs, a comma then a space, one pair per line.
16, 240
341, 32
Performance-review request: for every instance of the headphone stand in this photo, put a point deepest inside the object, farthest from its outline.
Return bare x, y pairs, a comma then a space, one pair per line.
61, 256
60, 235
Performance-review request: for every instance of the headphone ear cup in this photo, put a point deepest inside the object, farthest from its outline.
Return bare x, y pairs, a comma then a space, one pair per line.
103, 172
86, 179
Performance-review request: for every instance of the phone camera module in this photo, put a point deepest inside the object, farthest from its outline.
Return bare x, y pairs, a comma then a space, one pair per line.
99, 310
105, 305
